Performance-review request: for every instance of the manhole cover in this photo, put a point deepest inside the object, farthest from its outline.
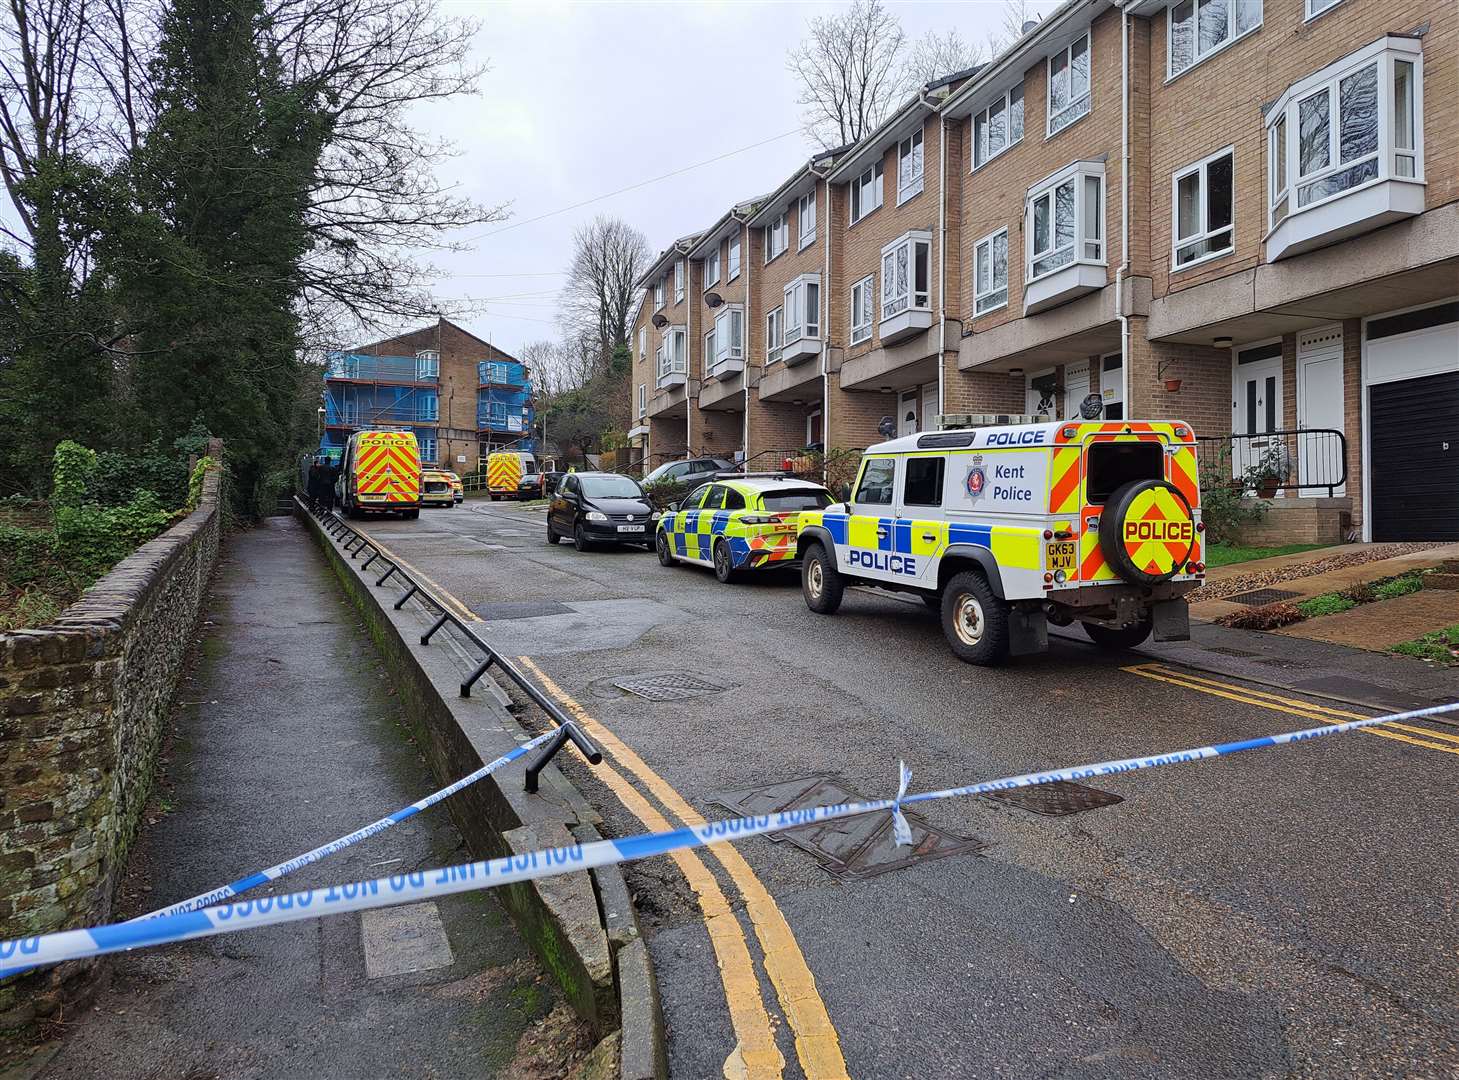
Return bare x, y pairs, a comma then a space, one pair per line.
1058, 798
670, 686
1226, 650
529, 609
1258, 597
850, 848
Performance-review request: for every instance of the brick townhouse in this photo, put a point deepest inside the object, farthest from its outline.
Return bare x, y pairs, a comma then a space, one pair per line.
1243, 213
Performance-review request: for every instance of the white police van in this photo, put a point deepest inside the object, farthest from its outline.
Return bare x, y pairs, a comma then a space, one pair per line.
1005, 526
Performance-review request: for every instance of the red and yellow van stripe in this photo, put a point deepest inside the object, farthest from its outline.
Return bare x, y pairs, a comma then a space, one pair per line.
389, 470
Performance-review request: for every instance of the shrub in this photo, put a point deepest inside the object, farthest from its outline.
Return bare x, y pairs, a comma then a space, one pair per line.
93, 539
1223, 509
72, 467
661, 494
1398, 586
1326, 604
1262, 618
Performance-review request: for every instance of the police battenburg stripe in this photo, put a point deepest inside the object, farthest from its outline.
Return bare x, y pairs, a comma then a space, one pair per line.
252, 881
422, 885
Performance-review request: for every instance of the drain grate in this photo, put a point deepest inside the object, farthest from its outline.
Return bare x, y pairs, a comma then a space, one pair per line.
1058, 798
1259, 597
850, 848
668, 686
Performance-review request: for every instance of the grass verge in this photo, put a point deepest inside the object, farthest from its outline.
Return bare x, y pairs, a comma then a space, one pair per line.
1438, 646
1226, 554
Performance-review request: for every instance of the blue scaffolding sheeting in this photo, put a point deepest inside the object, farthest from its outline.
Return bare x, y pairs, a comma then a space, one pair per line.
504, 413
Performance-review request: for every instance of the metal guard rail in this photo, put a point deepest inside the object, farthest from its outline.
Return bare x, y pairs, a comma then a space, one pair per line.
355, 543
1291, 459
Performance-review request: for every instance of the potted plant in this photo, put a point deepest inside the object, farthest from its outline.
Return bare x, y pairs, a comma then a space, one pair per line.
1269, 471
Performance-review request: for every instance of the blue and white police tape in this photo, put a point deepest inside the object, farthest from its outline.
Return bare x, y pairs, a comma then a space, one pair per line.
252, 881
427, 884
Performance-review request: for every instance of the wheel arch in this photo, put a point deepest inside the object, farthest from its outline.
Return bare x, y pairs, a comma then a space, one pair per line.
960, 557
820, 535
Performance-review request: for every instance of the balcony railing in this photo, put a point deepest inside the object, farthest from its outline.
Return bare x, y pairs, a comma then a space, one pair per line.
1302, 462
386, 369
366, 416
496, 373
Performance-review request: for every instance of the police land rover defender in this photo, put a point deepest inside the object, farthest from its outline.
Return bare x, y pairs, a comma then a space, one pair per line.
1005, 529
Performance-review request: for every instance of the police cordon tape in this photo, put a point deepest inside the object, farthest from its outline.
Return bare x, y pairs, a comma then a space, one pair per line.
529, 866
274, 872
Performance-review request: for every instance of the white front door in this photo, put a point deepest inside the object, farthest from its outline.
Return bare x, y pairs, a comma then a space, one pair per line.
929, 407
1319, 409
1076, 388
1036, 400
1112, 385
907, 412
1256, 402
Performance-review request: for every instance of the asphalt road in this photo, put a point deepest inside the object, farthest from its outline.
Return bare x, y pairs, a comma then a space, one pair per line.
1286, 912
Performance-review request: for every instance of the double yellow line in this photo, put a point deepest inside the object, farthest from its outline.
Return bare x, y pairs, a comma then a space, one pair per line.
1431, 740
757, 1057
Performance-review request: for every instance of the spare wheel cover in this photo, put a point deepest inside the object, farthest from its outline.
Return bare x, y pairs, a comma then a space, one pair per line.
1147, 531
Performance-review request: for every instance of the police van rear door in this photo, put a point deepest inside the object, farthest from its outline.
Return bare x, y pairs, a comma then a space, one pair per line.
870, 548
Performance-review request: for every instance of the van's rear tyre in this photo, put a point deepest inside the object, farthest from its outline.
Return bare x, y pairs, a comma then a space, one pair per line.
1126, 637
820, 582
974, 620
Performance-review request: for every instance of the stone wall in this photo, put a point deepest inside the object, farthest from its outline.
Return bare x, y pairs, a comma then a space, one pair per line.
81, 708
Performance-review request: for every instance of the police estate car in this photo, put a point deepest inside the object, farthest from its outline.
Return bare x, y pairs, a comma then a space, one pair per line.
738, 523
1007, 529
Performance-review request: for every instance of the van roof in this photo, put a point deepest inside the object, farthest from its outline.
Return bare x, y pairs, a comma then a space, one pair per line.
908, 443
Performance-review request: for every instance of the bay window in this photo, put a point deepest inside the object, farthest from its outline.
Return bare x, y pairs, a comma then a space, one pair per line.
990, 272
866, 193
1066, 219
1353, 126
734, 257
1202, 197
727, 351
1069, 84
774, 343
1198, 28
906, 277
777, 235
805, 213
711, 268
673, 357
803, 308
998, 127
909, 167
862, 298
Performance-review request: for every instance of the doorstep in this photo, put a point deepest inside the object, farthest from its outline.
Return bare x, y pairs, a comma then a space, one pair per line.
1382, 623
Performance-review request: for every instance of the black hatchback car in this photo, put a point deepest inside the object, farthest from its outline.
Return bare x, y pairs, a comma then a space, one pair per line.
600, 508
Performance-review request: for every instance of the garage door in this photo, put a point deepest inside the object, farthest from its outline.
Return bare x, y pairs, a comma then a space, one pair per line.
1414, 458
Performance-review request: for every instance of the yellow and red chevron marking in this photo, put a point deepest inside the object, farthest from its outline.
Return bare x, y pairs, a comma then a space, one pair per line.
388, 467
504, 472
1064, 485
1092, 564
1182, 473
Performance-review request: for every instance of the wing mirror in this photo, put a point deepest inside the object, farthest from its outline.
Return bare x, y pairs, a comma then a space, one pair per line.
846, 491
673, 507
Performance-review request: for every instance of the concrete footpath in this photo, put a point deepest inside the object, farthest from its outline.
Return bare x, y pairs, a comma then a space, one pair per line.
286, 735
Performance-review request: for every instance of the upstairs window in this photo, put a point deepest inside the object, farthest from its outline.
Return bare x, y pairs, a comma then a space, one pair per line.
863, 300
711, 269
1065, 220
1202, 196
906, 274
805, 213
734, 256
710, 347
866, 193
803, 308
427, 365
729, 336
998, 126
1198, 28
909, 167
1317, 7
643, 343
1353, 123
679, 281
990, 272
658, 294
642, 399
777, 235
1069, 84
774, 340
673, 359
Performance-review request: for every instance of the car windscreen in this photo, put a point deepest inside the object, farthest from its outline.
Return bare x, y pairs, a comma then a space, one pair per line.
611, 487
797, 499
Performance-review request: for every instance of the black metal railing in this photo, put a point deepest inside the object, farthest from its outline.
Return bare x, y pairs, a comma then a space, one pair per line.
1302, 461
354, 544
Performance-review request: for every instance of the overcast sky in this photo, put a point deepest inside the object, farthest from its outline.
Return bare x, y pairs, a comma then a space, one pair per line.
584, 99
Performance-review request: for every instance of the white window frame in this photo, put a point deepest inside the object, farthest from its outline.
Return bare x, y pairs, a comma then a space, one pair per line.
734, 257
711, 269
729, 338
659, 294
804, 203
428, 450
427, 365
1310, 10
679, 281
643, 343
1233, 32
774, 339
993, 297
777, 236
812, 415
1089, 223
1077, 107
673, 357
895, 303
1177, 242
910, 149
802, 316
865, 292
642, 399
707, 360
1285, 115
985, 117
870, 182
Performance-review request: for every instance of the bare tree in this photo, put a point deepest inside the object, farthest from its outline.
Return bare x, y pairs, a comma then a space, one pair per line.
849, 70
608, 257
1016, 14
936, 55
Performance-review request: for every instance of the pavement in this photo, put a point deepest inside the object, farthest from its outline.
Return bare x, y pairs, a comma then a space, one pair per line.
1284, 912
286, 735
1383, 623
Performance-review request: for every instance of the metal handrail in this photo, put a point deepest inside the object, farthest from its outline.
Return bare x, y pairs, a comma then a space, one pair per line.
1292, 459
354, 545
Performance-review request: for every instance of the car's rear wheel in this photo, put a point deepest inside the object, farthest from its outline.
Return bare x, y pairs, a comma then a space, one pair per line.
974, 619
552, 534
1126, 637
820, 581
724, 567
580, 538
661, 545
